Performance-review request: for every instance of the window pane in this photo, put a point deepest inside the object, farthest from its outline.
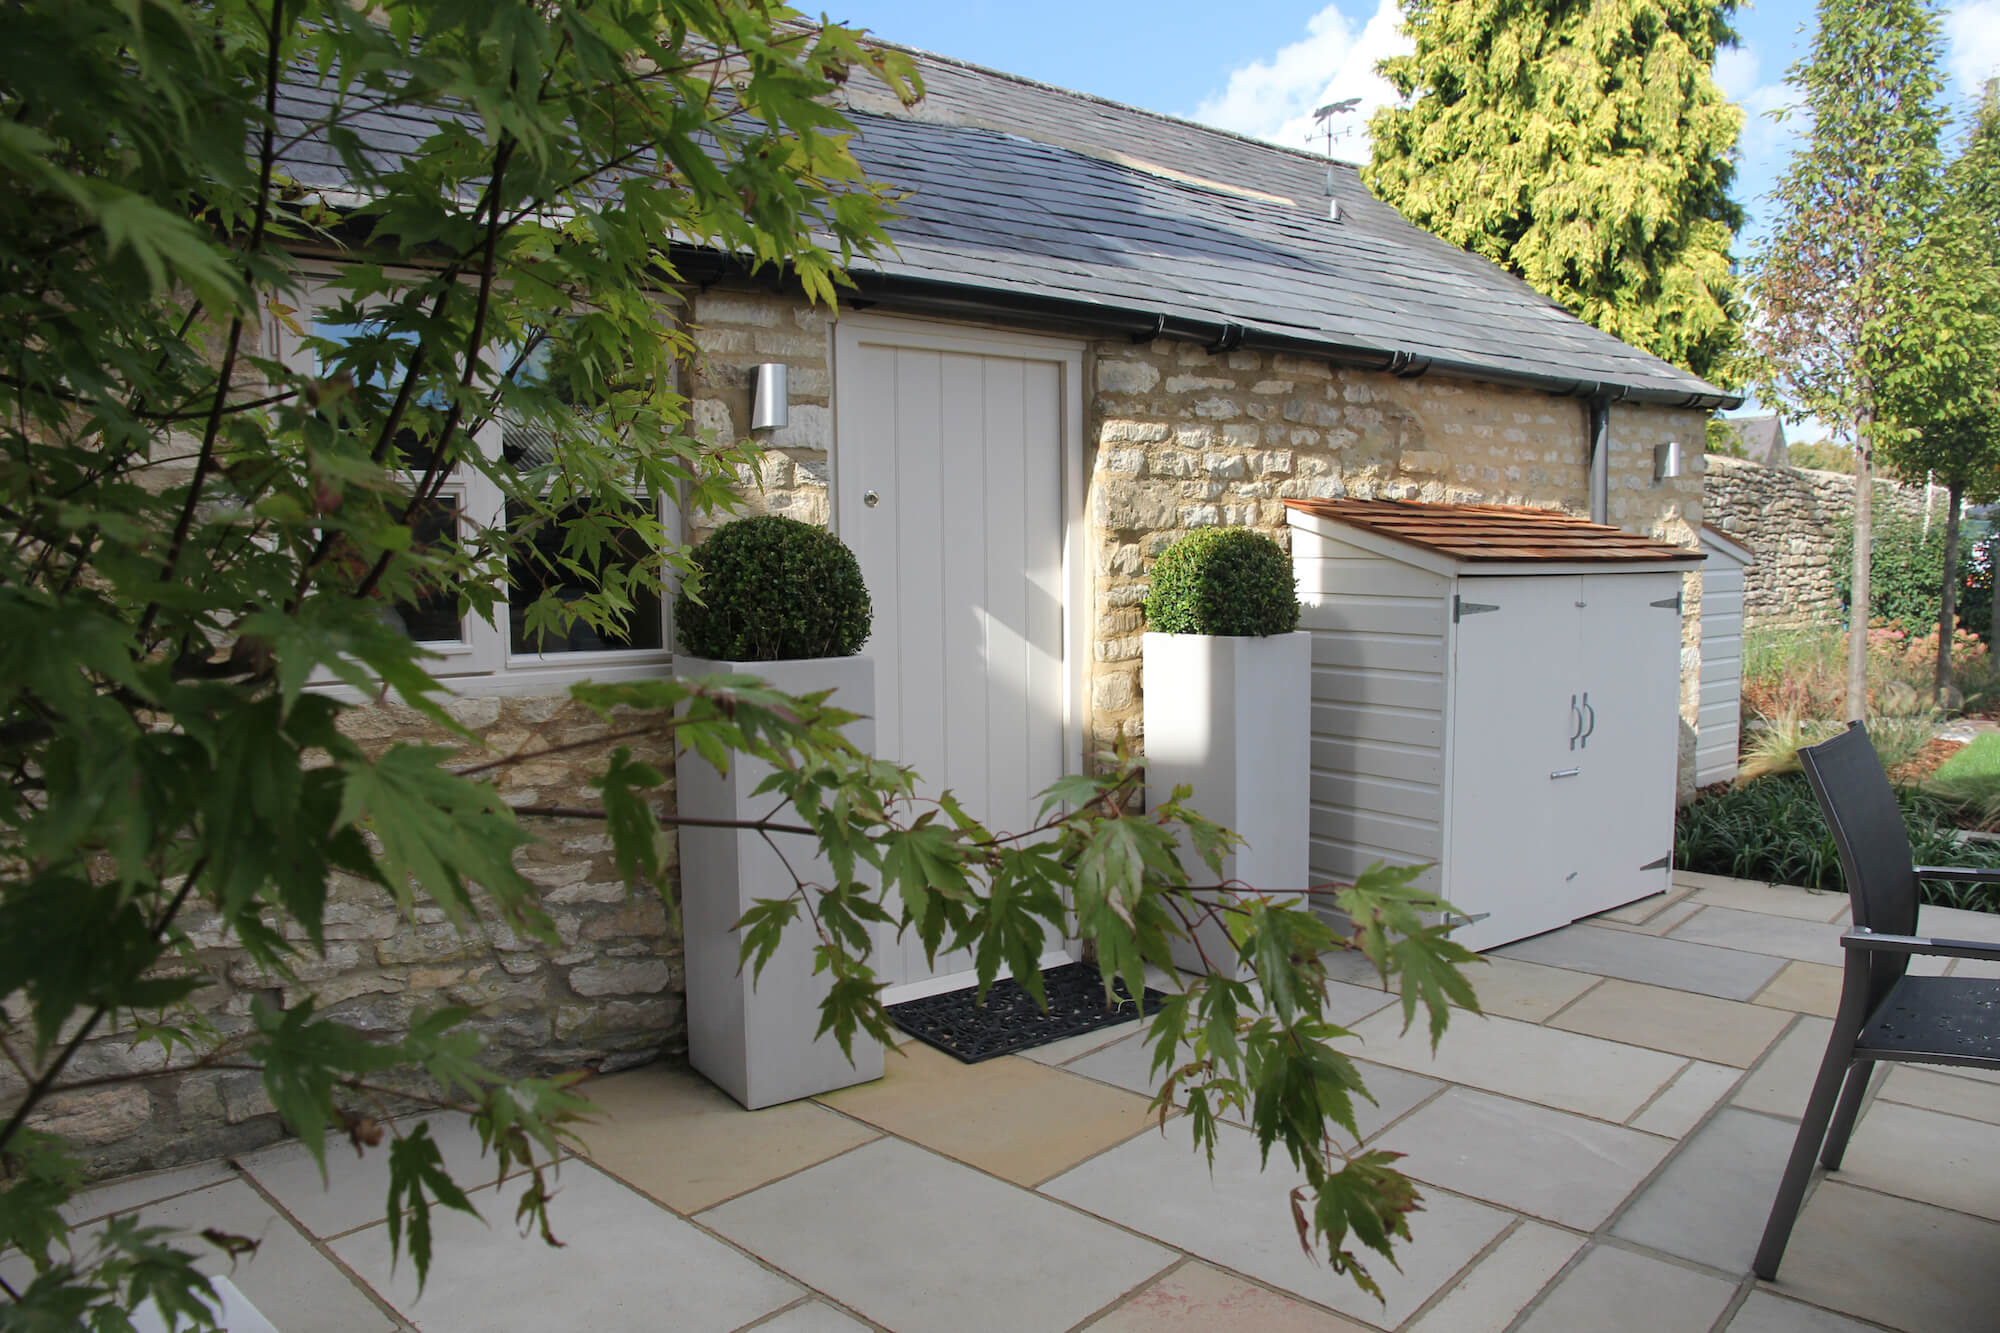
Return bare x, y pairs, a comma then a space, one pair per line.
433, 617
549, 570
413, 451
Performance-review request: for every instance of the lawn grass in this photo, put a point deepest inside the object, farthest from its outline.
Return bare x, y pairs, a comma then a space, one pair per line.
1977, 761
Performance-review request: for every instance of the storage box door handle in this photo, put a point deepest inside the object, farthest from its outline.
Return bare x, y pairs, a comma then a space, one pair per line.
1575, 722
1589, 725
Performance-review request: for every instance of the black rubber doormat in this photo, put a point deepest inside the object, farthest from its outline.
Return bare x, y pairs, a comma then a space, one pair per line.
1010, 1020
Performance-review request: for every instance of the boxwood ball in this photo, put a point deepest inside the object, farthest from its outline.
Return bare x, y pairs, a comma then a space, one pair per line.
773, 588
1228, 582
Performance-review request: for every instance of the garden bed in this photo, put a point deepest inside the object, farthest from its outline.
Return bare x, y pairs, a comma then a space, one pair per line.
1770, 829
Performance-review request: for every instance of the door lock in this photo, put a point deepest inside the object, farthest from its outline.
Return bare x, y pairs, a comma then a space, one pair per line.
870, 498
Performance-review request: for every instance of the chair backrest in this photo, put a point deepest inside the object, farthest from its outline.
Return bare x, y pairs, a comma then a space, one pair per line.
1867, 824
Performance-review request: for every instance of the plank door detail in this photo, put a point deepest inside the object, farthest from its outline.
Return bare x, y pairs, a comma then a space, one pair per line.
1509, 860
1631, 664
948, 487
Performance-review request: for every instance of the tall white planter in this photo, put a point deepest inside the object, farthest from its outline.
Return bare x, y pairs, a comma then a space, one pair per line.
754, 1038
1231, 717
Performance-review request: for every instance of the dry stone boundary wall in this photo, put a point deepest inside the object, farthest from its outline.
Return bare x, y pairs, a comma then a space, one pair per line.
1789, 517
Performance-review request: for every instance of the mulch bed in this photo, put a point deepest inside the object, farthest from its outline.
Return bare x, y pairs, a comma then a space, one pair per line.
1926, 761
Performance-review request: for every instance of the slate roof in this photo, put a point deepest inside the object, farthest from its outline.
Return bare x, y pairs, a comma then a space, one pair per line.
1762, 438
1032, 201
1483, 533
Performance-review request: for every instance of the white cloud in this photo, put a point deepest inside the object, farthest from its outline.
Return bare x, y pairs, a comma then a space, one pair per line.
1736, 71
1972, 42
1274, 99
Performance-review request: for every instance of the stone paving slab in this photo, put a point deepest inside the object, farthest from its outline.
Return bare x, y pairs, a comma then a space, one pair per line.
1920, 1154
812, 1317
625, 1263
1012, 1117
1758, 933
1678, 1109
1805, 988
677, 1137
1783, 1079
918, 1243
1712, 1200
1510, 988
129, 1192
1566, 1070
354, 1190
1610, 1287
1723, 1032
1198, 1298
1751, 895
1656, 961
1501, 1285
289, 1281
1239, 1216
1083, 1043
1952, 1093
1766, 1313
1128, 1064
1525, 1157
1908, 1265
1660, 923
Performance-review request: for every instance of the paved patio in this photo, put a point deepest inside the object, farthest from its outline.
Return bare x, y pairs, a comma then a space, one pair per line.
1599, 1153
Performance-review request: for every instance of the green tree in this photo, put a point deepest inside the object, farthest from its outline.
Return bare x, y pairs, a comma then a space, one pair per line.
1852, 205
1942, 390
1583, 145
193, 532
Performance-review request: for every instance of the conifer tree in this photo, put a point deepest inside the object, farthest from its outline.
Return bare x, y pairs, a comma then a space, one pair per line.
1582, 144
1853, 203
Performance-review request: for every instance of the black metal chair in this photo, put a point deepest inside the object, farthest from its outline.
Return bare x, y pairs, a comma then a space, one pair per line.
1885, 1013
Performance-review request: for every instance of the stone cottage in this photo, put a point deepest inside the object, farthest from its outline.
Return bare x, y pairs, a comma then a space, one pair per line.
1099, 328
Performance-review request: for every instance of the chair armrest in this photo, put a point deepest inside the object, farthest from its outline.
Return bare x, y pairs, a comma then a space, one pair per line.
1959, 874
1916, 944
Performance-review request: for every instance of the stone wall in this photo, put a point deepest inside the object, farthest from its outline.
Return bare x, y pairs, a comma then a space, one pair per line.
1177, 438
733, 333
1183, 439
609, 995
1789, 517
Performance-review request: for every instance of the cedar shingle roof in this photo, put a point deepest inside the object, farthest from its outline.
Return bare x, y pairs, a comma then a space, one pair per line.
1475, 533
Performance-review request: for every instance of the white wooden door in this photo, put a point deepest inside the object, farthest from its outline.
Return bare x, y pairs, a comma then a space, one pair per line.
1508, 851
1630, 752
951, 479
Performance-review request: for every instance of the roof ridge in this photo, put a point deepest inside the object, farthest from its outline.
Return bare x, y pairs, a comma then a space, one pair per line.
1040, 86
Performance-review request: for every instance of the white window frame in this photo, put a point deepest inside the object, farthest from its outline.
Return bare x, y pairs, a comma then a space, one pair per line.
484, 663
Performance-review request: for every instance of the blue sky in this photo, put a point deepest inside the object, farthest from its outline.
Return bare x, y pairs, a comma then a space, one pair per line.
1261, 66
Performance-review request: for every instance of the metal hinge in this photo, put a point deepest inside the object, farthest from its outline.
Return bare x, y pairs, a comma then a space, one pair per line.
1454, 921
1460, 608
1660, 864
1668, 603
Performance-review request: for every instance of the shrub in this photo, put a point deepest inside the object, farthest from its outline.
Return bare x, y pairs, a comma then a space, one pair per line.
1975, 592
1802, 673
1771, 829
772, 588
1223, 581
1906, 565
